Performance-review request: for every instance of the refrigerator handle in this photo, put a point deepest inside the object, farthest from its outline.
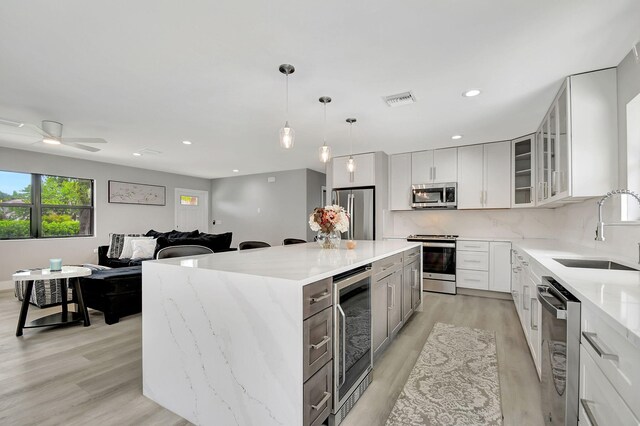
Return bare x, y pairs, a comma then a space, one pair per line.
350, 234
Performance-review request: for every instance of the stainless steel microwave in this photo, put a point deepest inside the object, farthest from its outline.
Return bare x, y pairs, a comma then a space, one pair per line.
434, 195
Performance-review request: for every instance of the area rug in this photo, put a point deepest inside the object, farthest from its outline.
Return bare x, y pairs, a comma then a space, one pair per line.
454, 382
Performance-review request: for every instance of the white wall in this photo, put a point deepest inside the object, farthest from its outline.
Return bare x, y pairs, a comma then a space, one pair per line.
255, 209
122, 218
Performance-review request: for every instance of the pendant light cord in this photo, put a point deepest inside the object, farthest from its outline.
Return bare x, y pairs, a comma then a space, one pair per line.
286, 112
324, 129
350, 140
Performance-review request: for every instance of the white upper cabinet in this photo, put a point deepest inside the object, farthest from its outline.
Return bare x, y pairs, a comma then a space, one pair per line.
421, 167
484, 178
523, 166
577, 148
435, 166
497, 175
400, 181
363, 175
445, 165
470, 187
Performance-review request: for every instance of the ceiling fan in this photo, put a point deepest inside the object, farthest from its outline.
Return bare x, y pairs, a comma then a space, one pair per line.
51, 132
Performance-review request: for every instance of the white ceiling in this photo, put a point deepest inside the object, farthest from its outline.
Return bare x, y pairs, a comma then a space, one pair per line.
153, 73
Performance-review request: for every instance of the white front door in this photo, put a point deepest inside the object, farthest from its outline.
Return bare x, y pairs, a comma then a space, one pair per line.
192, 210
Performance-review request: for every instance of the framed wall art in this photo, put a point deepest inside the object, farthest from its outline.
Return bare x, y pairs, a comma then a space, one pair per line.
137, 193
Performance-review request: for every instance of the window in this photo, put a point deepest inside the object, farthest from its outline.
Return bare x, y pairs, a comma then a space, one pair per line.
189, 200
45, 206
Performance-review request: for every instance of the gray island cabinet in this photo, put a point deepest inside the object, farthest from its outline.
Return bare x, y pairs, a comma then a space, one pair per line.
247, 337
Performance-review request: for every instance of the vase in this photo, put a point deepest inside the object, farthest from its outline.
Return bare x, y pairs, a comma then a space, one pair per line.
329, 240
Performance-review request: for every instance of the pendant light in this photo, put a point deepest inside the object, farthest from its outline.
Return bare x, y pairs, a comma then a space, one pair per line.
287, 135
325, 150
351, 164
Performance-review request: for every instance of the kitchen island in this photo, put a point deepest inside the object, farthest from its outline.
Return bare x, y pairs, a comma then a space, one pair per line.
228, 338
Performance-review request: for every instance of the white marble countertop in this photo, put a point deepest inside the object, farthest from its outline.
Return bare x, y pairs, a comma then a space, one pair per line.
300, 263
615, 295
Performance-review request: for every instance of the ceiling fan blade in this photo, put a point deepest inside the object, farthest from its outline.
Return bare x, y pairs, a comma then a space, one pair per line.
80, 146
84, 140
37, 129
12, 123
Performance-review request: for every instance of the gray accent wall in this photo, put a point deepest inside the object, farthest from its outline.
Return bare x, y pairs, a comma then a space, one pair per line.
255, 209
315, 182
120, 218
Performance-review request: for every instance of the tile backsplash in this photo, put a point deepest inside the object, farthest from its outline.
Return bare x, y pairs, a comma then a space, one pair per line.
508, 223
574, 223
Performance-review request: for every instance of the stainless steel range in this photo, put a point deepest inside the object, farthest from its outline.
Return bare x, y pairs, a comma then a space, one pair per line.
438, 262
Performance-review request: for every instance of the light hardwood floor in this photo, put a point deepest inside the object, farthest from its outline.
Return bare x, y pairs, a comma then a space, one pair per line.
78, 376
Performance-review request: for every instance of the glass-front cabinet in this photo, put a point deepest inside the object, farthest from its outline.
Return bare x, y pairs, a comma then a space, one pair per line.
523, 170
552, 140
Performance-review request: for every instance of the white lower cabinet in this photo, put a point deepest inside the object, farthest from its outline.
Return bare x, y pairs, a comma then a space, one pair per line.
483, 265
525, 297
600, 404
614, 356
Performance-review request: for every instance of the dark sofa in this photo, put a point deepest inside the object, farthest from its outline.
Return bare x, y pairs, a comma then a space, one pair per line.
117, 292
216, 242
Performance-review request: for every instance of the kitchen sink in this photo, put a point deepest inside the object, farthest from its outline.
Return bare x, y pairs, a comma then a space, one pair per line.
594, 264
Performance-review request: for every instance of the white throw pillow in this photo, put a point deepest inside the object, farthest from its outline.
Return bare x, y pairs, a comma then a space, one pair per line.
143, 249
127, 248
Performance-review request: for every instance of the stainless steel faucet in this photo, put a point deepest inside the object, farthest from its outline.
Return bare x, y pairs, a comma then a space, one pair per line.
601, 224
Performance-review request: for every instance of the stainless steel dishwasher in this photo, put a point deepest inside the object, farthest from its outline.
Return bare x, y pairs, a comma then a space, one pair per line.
560, 353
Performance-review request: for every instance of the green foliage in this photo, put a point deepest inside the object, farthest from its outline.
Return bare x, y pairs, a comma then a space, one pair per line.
56, 218
59, 229
66, 191
14, 228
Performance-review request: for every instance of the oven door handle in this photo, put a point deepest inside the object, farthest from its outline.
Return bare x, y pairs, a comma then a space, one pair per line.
343, 332
544, 296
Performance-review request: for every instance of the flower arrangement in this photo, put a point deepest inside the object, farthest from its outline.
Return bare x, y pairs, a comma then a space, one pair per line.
329, 219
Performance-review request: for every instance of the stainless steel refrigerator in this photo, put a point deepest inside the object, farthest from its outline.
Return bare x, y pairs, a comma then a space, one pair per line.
360, 204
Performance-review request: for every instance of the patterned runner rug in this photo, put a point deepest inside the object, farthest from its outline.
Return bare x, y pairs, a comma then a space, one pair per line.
454, 382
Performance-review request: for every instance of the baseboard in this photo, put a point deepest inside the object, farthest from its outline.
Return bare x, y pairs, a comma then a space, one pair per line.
484, 293
6, 285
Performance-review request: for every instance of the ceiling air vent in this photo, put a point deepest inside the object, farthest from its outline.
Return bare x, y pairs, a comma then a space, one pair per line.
405, 98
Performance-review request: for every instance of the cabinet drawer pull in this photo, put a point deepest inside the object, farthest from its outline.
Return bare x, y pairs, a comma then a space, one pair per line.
324, 341
525, 263
385, 267
472, 280
600, 350
412, 254
587, 410
468, 245
471, 261
323, 401
534, 327
325, 295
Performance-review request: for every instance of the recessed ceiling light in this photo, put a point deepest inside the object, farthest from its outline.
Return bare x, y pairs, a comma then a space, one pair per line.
455, 137
137, 154
471, 93
235, 170
186, 142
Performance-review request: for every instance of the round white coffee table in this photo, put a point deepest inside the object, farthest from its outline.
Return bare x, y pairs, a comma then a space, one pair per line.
61, 318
